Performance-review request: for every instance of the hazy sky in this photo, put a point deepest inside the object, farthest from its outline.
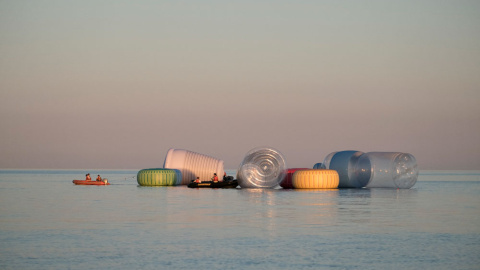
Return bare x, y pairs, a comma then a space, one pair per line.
115, 84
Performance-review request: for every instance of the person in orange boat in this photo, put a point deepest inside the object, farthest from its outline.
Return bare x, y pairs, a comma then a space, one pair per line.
215, 178
87, 177
99, 178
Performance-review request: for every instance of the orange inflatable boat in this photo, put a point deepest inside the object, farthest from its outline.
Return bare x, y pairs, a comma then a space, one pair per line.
104, 182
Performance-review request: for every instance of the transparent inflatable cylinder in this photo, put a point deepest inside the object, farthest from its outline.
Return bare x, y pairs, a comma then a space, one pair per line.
193, 165
387, 170
326, 161
262, 167
344, 163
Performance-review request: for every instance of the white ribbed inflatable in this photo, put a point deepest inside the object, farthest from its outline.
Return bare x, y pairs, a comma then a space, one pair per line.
262, 167
193, 165
387, 170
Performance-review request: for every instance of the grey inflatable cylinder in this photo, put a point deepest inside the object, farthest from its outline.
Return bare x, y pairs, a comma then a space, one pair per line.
262, 167
344, 163
387, 170
193, 165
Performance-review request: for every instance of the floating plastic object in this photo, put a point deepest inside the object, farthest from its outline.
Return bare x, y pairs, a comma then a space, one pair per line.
387, 170
159, 177
344, 163
320, 178
193, 165
287, 182
326, 161
262, 167
318, 166
375, 169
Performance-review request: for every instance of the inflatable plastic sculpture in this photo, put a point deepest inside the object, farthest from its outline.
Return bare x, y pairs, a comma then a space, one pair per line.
262, 167
193, 165
374, 169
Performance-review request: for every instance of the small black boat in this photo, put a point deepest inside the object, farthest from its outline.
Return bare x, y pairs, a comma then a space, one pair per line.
210, 184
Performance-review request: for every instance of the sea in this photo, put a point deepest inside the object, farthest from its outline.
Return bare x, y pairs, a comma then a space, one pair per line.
47, 222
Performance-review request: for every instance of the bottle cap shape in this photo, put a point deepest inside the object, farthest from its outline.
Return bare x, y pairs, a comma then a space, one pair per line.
262, 167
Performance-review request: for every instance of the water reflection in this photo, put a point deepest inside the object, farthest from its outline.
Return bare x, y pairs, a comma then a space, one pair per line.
355, 195
354, 207
376, 209
263, 206
285, 211
400, 194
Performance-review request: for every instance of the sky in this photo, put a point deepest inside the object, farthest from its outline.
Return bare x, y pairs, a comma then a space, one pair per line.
115, 84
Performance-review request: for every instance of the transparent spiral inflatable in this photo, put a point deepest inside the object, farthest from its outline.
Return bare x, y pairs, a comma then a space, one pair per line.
262, 167
193, 165
387, 170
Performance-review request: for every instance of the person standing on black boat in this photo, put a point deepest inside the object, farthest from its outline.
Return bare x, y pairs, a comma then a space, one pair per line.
215, 177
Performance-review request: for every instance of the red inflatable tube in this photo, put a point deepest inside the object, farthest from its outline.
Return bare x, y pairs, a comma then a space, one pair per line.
287, 182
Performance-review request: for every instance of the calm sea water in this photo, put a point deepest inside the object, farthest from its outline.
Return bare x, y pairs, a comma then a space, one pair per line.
46, 222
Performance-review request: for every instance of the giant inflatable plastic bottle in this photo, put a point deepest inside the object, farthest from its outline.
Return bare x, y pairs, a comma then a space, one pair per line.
193, 165
326, 162
262, 167
387, 170
374, 169
344, 163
